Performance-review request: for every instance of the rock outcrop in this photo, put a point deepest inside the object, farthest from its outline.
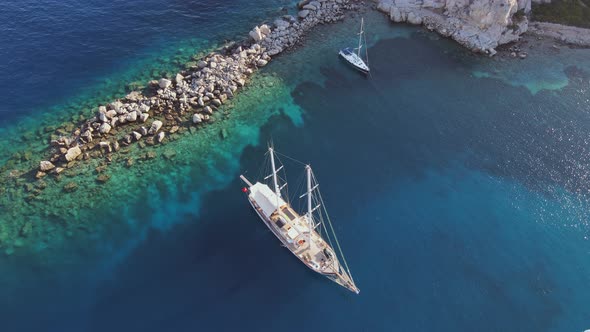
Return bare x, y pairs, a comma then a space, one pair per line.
45, 166
480, 25
564, 33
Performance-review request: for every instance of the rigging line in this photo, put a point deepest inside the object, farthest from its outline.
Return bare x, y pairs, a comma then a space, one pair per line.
366, 48
335, 237
262, 170
292, 159
323, 221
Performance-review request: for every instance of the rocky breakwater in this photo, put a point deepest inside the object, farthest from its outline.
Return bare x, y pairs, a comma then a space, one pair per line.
188, 99
480, 25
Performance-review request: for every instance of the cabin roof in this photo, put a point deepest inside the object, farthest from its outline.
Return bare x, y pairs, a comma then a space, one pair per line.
265, 198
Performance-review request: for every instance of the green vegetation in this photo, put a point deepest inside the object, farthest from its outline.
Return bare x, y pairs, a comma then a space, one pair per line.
568, 12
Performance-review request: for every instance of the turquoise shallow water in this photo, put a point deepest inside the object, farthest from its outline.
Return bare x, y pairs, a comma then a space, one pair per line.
460, 199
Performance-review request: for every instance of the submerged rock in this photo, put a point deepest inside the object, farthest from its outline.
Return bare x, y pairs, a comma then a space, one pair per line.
102, 178
70, 187
169, 154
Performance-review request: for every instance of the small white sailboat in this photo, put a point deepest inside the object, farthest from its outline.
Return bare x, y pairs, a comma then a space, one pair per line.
309, 236
354, 58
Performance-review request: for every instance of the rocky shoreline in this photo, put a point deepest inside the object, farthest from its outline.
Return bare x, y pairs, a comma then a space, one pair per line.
479, 25
190, 98
566, 34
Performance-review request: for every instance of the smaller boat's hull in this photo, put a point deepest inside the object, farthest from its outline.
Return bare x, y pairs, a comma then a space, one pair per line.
354, 61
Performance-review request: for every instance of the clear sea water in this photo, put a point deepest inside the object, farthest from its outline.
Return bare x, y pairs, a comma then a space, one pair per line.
458, 184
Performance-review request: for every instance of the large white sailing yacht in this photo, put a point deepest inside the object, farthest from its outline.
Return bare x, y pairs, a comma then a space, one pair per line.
309, 236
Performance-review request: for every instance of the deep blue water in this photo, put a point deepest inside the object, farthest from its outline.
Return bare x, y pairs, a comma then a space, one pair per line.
460, 201
53, 50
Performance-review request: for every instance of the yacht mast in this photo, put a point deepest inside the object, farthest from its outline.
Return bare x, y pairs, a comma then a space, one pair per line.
358, 50
274, 172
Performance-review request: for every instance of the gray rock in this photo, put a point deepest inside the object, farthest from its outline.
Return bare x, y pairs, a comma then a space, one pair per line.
105, 146
86, 136
264, 29
111, 114
216, 102
103, 117
104, 128
73, 153
116, 105
143, 117
45, 166
302, 3
164, 83
179, 79
261, 63
256, 34
303, 13
280, 23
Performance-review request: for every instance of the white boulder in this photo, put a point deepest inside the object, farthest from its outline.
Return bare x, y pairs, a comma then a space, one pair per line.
160, 137
131, 117
156, 125
73, 153
197, 118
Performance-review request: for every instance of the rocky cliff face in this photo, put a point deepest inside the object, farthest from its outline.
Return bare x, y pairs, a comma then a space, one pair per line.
480, 25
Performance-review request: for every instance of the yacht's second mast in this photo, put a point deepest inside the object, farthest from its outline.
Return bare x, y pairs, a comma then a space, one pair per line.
274, 173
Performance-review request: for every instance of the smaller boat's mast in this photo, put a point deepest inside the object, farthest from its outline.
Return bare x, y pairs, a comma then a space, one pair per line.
358, 51
274, 173
309, 210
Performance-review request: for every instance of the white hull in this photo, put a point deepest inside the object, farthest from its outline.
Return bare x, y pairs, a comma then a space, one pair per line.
354, 60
